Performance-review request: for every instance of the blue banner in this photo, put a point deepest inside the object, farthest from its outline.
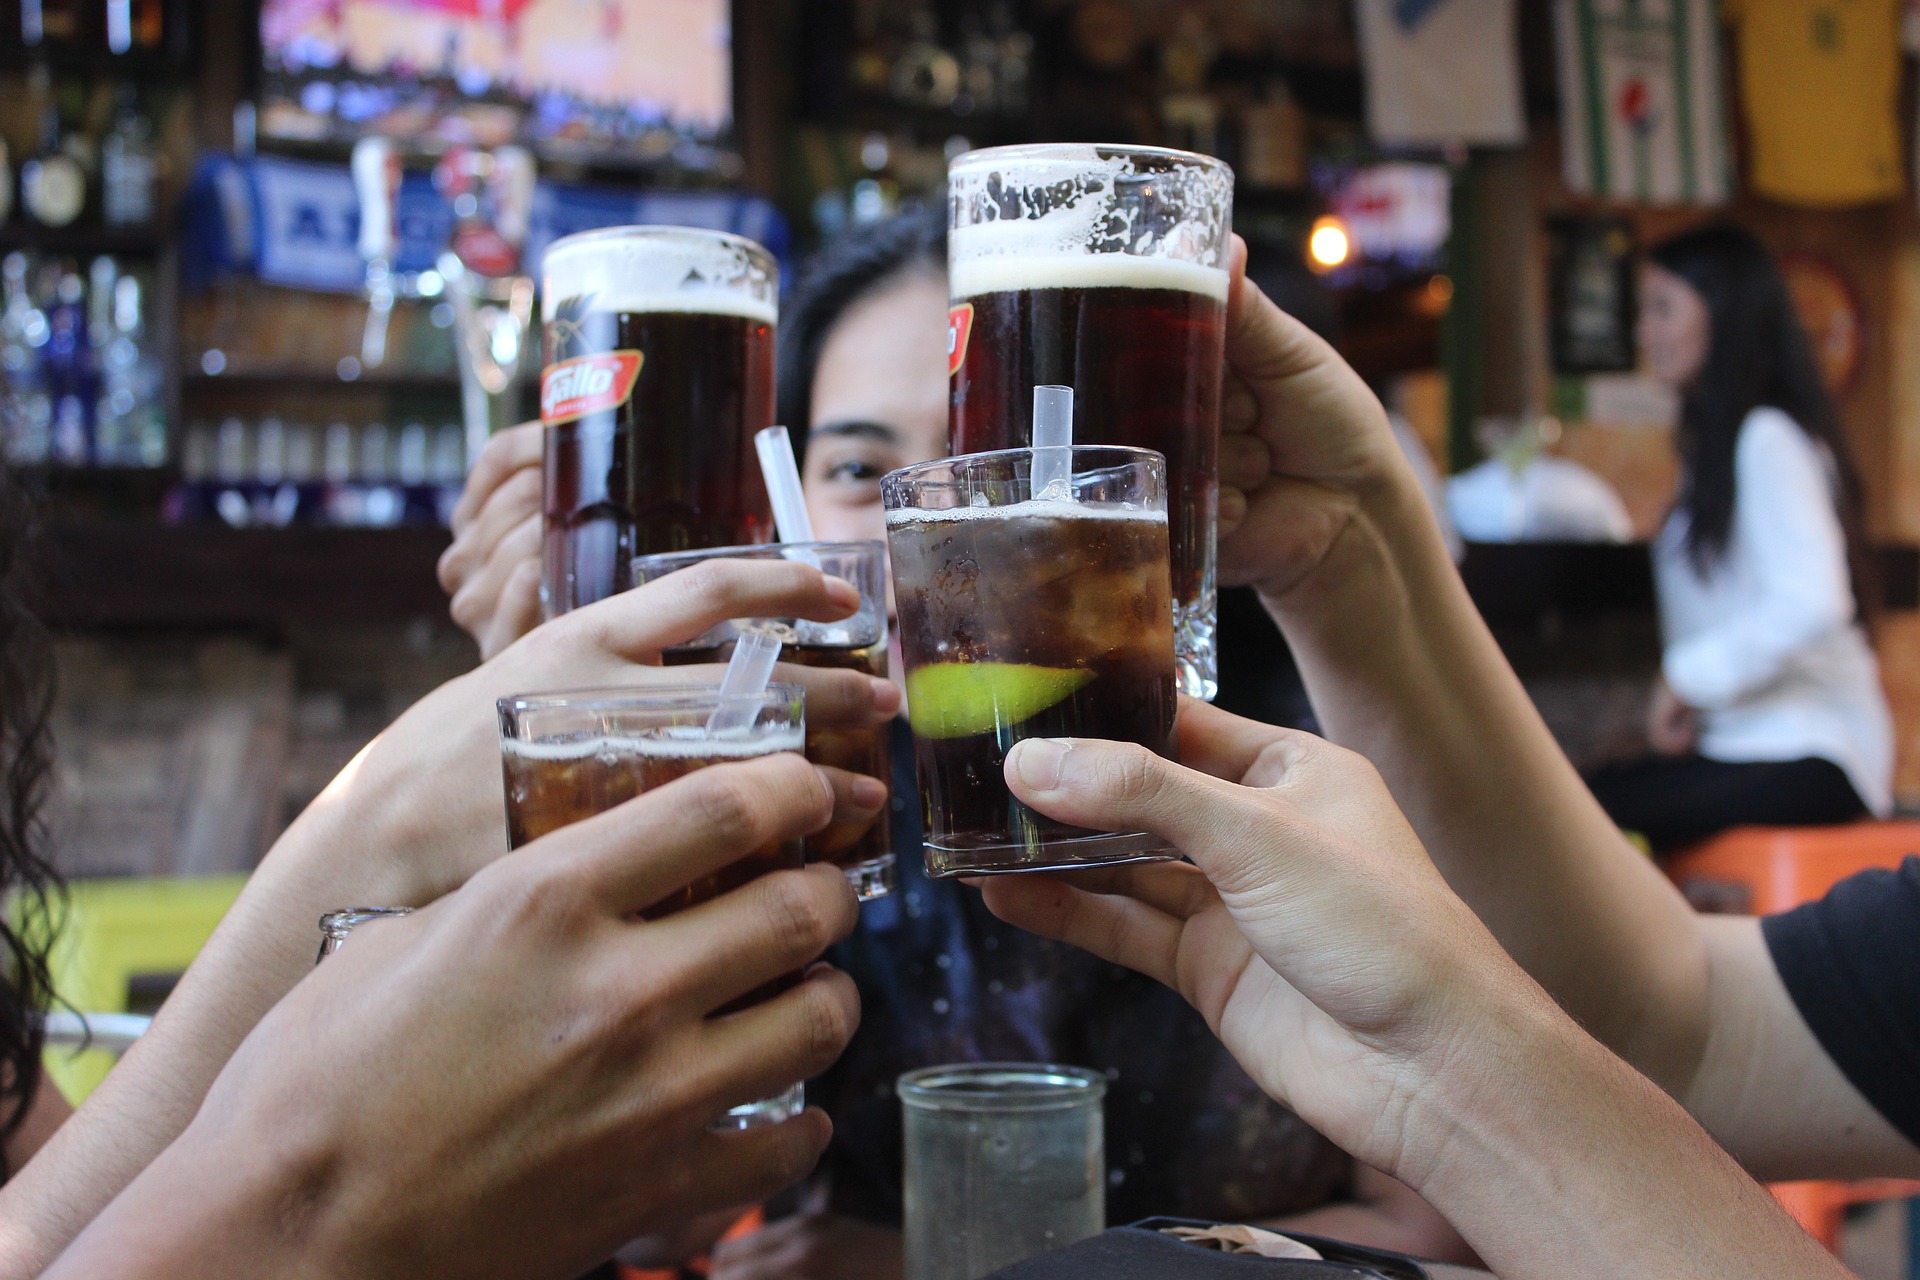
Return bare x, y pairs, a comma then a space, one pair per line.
297, 223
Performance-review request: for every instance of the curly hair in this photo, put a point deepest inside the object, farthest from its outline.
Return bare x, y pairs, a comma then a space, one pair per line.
26, 758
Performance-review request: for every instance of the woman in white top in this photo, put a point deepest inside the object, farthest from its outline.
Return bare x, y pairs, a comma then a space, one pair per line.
1769, 708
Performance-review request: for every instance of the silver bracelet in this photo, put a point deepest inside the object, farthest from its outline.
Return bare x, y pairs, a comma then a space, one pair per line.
336, 925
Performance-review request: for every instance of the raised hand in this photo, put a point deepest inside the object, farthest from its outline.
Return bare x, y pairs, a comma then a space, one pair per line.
1311, 931
492, 570
517, 1079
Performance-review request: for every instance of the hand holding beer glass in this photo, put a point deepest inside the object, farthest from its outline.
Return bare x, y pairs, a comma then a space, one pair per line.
1104, 269
570, 756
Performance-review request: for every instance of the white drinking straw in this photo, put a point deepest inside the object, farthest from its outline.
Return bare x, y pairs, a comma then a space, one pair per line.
747, 675
1053, 443
782, 475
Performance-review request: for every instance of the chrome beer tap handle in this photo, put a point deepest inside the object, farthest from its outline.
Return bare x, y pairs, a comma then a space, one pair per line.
376, 180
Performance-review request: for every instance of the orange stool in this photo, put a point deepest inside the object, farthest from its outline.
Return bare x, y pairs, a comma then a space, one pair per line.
749, 1222
1763, 870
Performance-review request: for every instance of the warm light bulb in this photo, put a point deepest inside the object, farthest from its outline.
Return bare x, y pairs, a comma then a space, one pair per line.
1328, 245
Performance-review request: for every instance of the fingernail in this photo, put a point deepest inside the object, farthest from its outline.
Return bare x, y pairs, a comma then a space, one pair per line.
843, 592
1041, 761
1233, 505
868, 793
886, 695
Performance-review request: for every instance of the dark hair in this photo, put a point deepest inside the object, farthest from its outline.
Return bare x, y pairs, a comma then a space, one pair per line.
849, 268
1757, 354
26, 760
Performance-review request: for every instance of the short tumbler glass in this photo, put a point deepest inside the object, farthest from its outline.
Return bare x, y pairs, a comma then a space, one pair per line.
569, 756
864, 851
1003, 1160
1028, 618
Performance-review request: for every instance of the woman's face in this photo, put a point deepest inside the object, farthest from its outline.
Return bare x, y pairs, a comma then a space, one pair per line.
879, 402
1673, 330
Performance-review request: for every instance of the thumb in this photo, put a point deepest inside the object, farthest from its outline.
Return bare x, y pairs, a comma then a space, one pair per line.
1121, 786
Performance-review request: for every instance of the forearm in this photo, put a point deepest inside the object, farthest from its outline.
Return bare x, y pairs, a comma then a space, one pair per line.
1555, 1159
1401, 668
201, 1212
262, 948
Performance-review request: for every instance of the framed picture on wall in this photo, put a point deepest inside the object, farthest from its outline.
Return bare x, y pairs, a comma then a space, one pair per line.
1591, 264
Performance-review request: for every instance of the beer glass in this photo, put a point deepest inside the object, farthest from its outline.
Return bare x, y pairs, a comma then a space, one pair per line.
569, 756
1103, 269
1028, 618
858, 643
659, 369
1003, 1160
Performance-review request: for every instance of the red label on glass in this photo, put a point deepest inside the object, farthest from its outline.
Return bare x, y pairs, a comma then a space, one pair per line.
587, 384
959, 329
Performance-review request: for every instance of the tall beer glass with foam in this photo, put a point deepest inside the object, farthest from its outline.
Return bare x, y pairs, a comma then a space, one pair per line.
1103, 269
659, 370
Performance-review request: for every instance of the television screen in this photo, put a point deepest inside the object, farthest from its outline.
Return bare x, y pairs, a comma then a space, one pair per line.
643, 78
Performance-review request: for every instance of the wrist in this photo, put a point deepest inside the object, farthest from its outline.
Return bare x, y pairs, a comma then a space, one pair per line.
212, 1206
1387, 548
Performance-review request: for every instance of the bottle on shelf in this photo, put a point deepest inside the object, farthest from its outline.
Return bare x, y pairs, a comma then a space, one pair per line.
128, 166
53, 182
26, 412
70, 371
131, 422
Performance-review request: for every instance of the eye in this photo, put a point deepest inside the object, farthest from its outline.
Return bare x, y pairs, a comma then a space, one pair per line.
854, 470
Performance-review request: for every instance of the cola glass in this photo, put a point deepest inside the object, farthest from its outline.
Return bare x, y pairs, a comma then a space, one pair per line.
659, 350
1028, 618
863, 850
569, 756
1103, 269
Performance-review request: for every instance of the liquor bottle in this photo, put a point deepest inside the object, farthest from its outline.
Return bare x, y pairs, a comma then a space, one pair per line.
53, 184
127, 166
26, 414
70, 372
142, 376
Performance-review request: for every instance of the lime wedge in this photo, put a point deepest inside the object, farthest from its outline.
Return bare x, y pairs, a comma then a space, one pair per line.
955, 699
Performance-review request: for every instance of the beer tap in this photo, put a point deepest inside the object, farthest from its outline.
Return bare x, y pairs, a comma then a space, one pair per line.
376, 180
492, 298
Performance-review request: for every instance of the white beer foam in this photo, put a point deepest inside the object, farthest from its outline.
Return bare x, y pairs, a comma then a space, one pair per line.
1031, 509
969, 277
695, 746
658, 272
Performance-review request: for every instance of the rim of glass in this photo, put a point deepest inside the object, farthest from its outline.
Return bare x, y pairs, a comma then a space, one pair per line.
1000, 1086
660, 231
1065, 151
877, 546
671, 697
1129, 454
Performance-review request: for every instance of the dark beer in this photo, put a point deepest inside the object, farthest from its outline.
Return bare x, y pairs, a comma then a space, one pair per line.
555, 784
1144, 362
659, 356
1103, 269
1039, 619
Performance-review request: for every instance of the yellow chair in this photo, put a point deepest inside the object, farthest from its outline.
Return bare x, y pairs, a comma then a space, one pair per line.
118, 930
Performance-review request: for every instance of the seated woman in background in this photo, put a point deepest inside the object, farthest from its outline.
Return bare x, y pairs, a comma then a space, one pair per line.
863, 389
1769, 708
